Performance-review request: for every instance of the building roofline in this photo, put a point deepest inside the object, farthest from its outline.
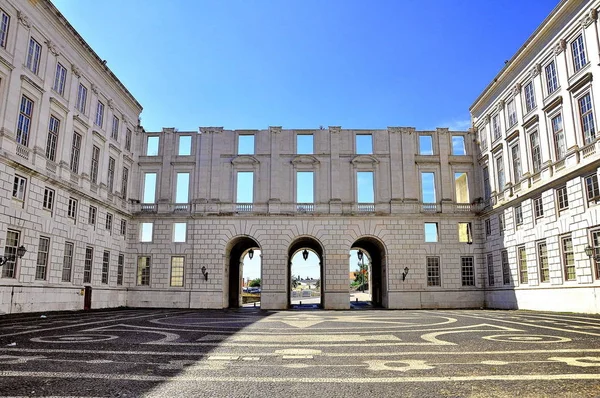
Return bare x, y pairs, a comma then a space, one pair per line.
512, 62
101, 62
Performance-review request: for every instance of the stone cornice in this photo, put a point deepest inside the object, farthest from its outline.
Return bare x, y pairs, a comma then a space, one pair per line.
33, 84
57, 102
98, 135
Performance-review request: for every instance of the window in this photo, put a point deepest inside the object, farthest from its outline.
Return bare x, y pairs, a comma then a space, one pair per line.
146, 231
89, 261
538, 207
467, 271
124, 182
542, 253
149, 188
185, 145
4, 24
304, 144
75, 150
42, 258
483, 139
81, 98
246, 144
586, 114
500, 173
182, 188
177, 271
120, 265
522, 261
428, 187
24, 123
33, 56
551, 77
516, 162
465, 234
115, 128
501, 223
152, 149
487, 189
59, 79
92, 215
68, 262
364, 144
245, 187
488, 227
518, 215
591, 187
490, 269
536, 154
123, 228
19, 186
559, 137
72, 209
143, 271
128, 140
458, 145
99, 114
95, 162
111, 174
109, 220
52, 139
425, 145
10, 251
505, 267
461, 187
365, 187
496, 127
512, 113
305, 187
433, 271
105, 266
431, 232
179, 232
563, 198
529, 97
568, 257
578, 50
48, 202
596, 245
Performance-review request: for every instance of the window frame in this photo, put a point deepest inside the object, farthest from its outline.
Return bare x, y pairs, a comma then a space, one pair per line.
558, 136
99, 119
511, 113
52, 138
110, 175
81, 102
95, 163
19, 191
60, 79
43, 256
535, 150
595, 197
538, 206
541, 249
105, 267
490, 269
9, 268
75, 152
551, 77
4, 28
505, 267
312, 149
562, 198
578, 53
467, 271
92, 215
569, 269
109, 222
437, 232
88, 264
48, 199
72, 208
518, 213
120, 267
529, 95
246, 151
182, 271
24, 120
67, 265
500, 171
356, 144
522, 264
143, 271
114, 132
432, 266
34, 56
586, 118
141, 236
517, 165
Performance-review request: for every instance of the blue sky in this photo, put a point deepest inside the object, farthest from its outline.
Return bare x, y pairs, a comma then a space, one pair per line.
246, 64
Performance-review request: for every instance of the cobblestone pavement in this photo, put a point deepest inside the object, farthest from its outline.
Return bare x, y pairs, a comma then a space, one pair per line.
252, 353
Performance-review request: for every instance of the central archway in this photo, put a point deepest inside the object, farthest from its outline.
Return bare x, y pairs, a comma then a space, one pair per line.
304, 246
237, 249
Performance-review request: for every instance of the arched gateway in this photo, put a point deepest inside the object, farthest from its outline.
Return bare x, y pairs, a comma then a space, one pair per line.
376, 252
235, 251
304, 245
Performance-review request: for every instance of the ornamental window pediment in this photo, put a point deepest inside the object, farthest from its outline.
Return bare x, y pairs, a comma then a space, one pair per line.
305, 160
243, 160
364, 160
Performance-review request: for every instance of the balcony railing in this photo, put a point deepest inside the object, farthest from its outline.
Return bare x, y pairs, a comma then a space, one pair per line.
148, 208
243, 207
463, 207
181, 208
305, 207
51, 166
366, 207
430, 208
23, 151
588, 150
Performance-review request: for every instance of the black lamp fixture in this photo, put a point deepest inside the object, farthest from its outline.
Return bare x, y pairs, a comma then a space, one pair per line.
589, 251
251, 253
305, 254
404, 273
360, 255
204, 272
11, 257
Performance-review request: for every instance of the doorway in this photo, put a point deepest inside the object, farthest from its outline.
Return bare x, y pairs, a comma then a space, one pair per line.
368, 274
244, 260
305, 273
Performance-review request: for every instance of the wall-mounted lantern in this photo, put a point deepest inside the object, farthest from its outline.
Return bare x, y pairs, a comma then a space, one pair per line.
251, 253
590, 252
204, 272
405, 273
11, 257
360, 255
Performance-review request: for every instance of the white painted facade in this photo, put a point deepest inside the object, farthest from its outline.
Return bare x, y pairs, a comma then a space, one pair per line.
203, 271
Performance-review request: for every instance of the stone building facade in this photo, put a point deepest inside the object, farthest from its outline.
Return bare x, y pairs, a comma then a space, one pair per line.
501, 216
68, 132
538, 154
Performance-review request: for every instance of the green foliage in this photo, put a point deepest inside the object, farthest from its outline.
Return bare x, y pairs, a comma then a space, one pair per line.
254, 283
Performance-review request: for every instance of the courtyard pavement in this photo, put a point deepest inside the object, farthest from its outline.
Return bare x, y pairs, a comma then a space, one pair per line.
253, 353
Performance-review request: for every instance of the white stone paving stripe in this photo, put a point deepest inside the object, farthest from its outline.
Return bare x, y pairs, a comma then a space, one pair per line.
341, 380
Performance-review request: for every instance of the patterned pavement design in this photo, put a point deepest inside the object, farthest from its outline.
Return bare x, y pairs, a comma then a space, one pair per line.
252, 353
